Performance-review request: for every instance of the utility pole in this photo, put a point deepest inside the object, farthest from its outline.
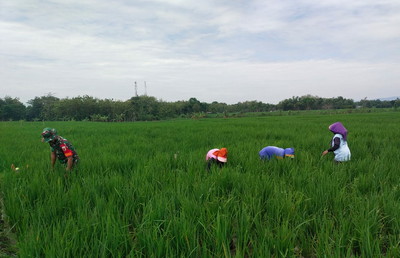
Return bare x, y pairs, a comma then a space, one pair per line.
136, 89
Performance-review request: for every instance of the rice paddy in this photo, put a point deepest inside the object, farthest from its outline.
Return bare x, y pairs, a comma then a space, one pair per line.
142, 189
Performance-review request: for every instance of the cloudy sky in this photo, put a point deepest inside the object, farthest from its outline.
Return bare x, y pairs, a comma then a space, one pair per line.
223, 50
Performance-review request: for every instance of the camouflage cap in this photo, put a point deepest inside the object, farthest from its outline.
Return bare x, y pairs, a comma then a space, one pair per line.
49, 134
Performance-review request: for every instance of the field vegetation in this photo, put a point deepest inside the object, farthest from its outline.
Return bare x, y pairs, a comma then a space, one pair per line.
142, 190
148, 108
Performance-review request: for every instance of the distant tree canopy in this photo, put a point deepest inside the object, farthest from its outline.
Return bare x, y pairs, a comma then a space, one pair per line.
147, 108
11, 109
309, 102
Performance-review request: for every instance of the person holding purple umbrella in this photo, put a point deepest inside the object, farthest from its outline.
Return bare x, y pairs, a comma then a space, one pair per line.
339, 143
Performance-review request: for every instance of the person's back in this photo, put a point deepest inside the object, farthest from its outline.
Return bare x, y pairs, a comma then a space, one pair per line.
63, 149
343, 152
269, 152
210, 154
216, 156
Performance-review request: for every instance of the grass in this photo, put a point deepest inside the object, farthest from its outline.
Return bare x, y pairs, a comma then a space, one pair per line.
130, 197
7, 238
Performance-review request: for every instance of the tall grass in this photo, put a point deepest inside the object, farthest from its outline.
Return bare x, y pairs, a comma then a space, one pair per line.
142, 189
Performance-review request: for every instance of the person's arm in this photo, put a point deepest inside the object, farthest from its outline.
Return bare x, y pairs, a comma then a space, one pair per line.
336, 145
70, 163
69, 155
53, 159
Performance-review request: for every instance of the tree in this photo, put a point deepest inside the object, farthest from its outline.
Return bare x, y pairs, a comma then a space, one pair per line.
143, 108
42, 108
289, 104
216, 107
309, 102
11, 109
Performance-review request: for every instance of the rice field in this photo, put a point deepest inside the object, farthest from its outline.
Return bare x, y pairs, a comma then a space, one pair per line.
142, 189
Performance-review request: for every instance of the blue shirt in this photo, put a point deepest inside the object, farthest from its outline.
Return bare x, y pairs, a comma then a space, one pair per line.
271, 151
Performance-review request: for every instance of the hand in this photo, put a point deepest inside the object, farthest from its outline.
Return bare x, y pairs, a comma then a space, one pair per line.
324, 153
13, 167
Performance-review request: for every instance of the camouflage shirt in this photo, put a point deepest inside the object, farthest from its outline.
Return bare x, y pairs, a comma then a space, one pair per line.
63, 149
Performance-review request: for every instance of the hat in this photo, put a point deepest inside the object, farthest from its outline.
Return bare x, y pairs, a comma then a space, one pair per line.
221, 154
338, 128
49, 134
289, 152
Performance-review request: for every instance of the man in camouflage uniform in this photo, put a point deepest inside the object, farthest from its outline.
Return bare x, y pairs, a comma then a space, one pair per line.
60, 148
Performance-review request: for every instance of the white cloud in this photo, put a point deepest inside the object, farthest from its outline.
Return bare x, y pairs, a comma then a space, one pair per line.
227, 51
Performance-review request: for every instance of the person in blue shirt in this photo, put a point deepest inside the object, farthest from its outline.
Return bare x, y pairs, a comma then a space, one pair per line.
270, 152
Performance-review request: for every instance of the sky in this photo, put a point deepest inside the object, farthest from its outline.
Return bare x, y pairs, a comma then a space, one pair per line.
227, 51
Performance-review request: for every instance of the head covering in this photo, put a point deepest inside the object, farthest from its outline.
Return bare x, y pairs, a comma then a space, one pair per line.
221, 154
49, 134
289, 152
338, 128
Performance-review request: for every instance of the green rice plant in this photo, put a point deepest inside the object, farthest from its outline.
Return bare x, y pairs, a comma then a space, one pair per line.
142, 189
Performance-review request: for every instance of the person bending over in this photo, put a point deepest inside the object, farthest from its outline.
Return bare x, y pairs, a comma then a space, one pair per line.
60, 148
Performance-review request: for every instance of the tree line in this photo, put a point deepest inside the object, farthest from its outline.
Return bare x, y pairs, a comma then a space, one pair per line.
147, 108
